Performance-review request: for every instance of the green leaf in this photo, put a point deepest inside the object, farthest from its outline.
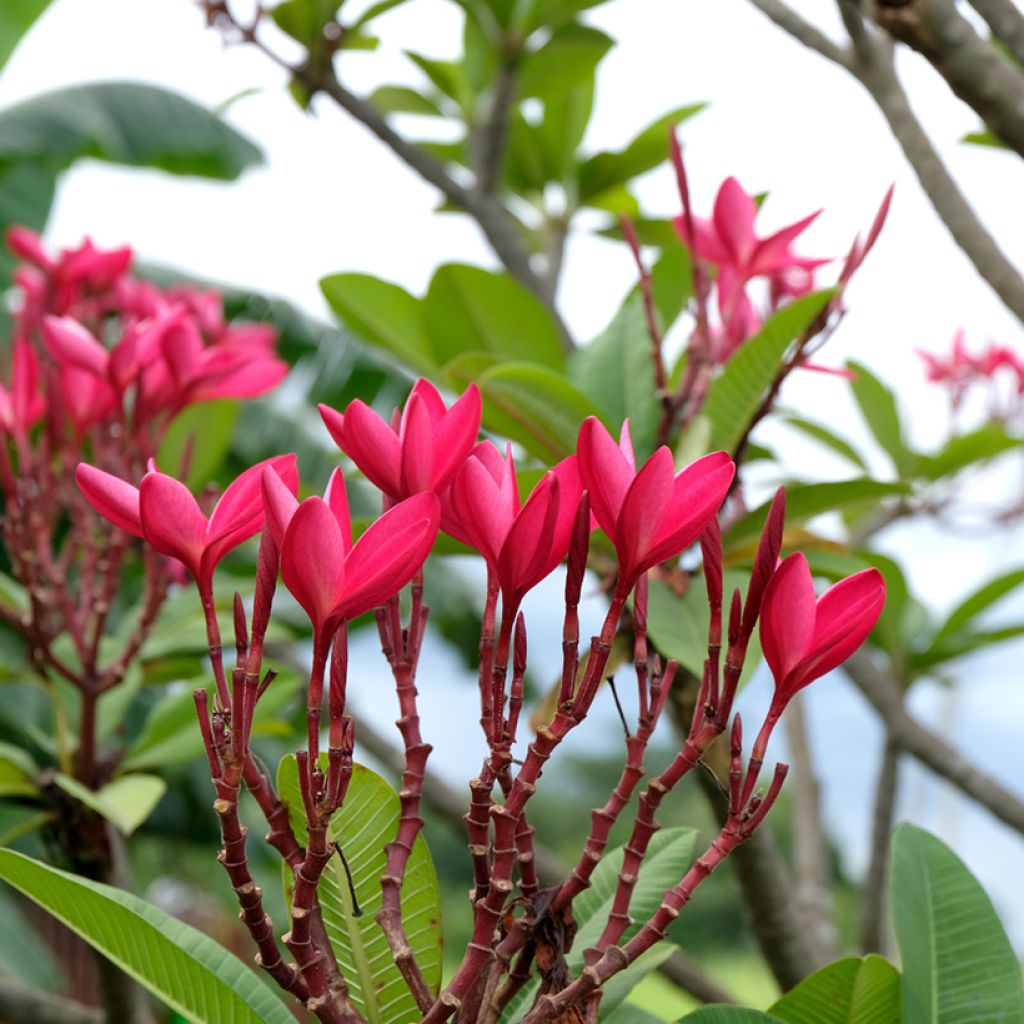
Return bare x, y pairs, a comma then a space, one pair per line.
985, 137
980, 601
365, 823
561, 131
630, 1013
829, 438
125, 123
616, 372
383, 314
607, 169
12, 594
565, 62
16, 18
304, 20
804, 501
671, 282
27, 188
718, 1014
468, 309
187, 970
375, 11
850, 991
202, 436
17, 770
967, 449
127, 801
618, 987
679, 625
536, 407
877, 405
958, 964
400, 99
447, 76
735, 396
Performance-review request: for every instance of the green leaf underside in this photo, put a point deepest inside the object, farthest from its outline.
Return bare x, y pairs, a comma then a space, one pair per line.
878, 407
365, 823
734, 397
191, 973
729, 1015
958, 964
126, 801
850, 991
668, 857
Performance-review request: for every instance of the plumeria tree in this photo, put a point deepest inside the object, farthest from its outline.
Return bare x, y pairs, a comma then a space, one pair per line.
144, 543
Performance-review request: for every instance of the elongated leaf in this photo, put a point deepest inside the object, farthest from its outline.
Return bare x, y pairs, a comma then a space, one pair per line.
616, 372
126, 801
968, 449
828, 438
729, 1015
16, 772
400, 99
956, 645
536, 407
364, 824
958, 964
468, 309
803, 501
16, 18
126, 123
618, 987
187, 970
383, 314
199, 438
630, 1013
980, 601
648, 149
566, 61
850, 991
734, 397
877, 405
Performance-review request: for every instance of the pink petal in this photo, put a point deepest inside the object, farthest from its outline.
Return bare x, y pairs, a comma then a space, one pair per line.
773, 253
734, 215
605, 472
27, 245
337, 501
71, 343
570, 491
525, 553
369, 442
417, 448
643, 509
787, 617
115, 500
279, 505
697, 494
313, 562
390, 553
431, 398
241, 506
484, 515
172, 521
454, 437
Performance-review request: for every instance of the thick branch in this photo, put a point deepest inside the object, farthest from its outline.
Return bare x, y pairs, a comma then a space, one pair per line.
928, 747
802, 31
20, 1005
1006, 22
873, 903
972, 67
490, 139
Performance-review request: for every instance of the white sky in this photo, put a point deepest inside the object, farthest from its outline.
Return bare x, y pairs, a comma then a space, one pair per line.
782, 120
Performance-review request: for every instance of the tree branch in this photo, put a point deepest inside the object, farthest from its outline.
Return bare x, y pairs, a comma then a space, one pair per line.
1006, 23
21, 1005
972, 67
802, 31
450, 806
488, 142
929, 748
873, 901
811, 853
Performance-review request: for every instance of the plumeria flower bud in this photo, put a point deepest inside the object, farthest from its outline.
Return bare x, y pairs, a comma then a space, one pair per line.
332, 578
652, 514
163, 511
804, 636
521, 544
21, 405
421, 451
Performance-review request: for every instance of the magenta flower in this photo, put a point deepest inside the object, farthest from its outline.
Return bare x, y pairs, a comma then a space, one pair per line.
652, 514
163, 511
804, 636
521, 542
21, 405
332, 578
420, 450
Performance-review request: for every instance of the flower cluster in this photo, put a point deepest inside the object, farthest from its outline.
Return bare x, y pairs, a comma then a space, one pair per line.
109, 349
997, 368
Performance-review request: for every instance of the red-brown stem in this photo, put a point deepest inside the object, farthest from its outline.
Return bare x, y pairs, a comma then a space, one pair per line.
650, 314
267, 565
738, 827
314, 701
213, 640
505, 819
232, 855
500, 673
578, 550
402, 655
487, 653
478, 821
